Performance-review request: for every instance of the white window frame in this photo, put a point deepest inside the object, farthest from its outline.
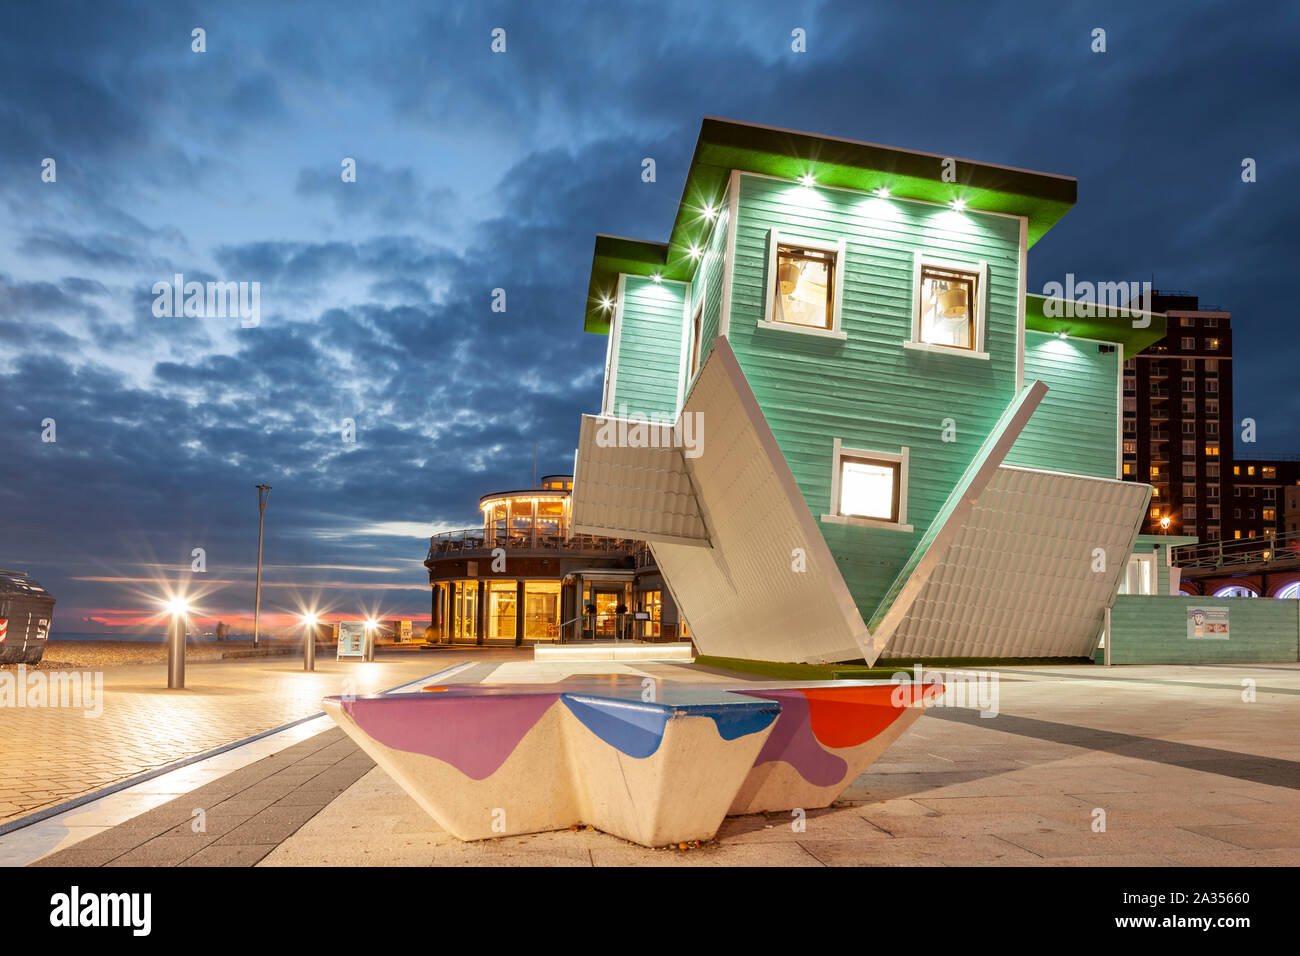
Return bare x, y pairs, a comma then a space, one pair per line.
838, 454
775, 238
980, 269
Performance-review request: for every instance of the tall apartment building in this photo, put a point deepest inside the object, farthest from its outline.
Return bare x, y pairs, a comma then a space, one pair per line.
1259, 498
1177, 431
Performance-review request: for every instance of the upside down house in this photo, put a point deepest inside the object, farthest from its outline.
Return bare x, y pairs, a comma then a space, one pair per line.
843, 425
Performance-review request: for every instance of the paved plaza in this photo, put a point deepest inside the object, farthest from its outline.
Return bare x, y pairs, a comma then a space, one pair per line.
1171, 765
53, 754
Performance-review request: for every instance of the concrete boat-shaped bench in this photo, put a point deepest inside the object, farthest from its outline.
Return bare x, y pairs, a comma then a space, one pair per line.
491, 760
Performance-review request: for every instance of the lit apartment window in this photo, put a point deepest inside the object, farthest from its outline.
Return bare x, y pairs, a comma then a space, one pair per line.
1128, 469
1236, 469
1212, 449
1212, 344
1130, 447
1155, 491
1237, 533
1269, 471
948, 311
1189, 343
696, 325
803, 291
1270, 514
1155, 514
1250, 470
1155, 471
869, 488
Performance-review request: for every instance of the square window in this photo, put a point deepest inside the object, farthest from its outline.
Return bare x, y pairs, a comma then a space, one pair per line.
805, 287
869, 488
1189, 343
948, 306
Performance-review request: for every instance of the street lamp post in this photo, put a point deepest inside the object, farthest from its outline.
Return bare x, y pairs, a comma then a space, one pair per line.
309, 642
176, 644
263, 492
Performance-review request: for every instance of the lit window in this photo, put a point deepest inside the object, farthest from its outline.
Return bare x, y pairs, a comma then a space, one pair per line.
1270, 514
1211, 450
1212, 345
869, 488
1269, 471
803, 292
1128, 469
1130, 447
1250, 469
948, 312
696, 325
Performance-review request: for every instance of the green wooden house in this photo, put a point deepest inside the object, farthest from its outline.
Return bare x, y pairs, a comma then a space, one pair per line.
842, 421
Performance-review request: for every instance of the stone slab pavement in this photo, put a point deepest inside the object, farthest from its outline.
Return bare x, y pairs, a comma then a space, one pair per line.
51, 754
1080, 767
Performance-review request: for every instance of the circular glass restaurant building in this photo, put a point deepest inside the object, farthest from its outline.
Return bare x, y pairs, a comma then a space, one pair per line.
524, 577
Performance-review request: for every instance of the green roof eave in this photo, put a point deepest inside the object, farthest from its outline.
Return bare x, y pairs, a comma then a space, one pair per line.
724, 145
1134, 331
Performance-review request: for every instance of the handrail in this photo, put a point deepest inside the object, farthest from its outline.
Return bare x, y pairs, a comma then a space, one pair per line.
1269, 549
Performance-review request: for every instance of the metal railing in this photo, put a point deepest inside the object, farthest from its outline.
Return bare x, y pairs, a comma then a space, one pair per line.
1263, 551
481, 539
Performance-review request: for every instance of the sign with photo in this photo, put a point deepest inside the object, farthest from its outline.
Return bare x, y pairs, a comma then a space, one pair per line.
1207, 623
352, 640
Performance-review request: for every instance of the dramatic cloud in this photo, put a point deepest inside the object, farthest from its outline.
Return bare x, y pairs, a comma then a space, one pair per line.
477, 171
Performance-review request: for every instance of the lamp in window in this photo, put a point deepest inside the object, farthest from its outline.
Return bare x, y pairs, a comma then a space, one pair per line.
789, 274
953, 300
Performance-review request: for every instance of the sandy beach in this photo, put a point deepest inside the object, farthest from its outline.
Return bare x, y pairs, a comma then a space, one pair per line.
95, 655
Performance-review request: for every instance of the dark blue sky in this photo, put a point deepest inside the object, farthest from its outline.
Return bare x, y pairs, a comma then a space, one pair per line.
476, 171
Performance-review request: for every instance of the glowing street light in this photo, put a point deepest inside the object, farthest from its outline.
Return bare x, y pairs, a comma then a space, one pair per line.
309, 622
178, 608
372, 625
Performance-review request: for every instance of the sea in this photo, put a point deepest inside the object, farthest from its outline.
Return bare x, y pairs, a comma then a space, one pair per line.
158, 638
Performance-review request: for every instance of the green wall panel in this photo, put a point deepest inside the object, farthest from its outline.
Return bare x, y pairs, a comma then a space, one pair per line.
649, 348
1076, 428
869, 391
1153, 630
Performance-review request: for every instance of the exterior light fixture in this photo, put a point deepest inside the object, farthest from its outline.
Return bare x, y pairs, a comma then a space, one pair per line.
959, 204
694, 251
709, 212
656, 278
807, 179
883, 192
606, 303
309, 641
179, 608
1061, 335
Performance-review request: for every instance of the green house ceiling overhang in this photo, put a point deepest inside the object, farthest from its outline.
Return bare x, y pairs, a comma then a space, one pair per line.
724, 145
1133, 330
